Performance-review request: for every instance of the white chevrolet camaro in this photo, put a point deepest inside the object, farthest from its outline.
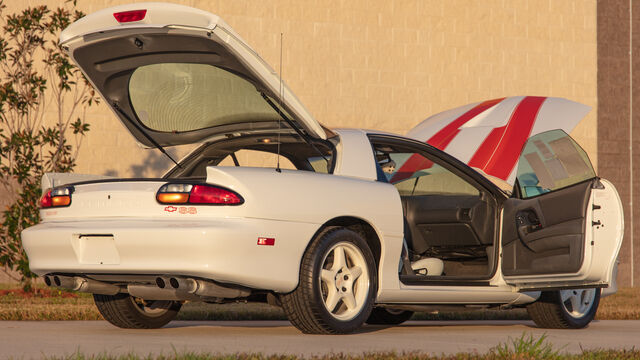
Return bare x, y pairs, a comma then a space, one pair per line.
489, 205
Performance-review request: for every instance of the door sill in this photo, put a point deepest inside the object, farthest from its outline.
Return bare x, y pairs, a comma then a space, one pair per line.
421, 280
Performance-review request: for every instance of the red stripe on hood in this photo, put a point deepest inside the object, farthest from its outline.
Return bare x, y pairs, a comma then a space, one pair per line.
440, 140
500, 151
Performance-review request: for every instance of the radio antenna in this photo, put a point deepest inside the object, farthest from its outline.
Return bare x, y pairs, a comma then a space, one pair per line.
281, 106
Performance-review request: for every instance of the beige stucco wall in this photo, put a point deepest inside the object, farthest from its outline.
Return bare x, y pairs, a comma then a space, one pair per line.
388, 64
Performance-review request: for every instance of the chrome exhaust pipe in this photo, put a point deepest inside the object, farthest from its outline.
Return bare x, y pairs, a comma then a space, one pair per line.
200, 288
203, 288
96, 287
65, 282
162, 282
154, 292
47, 280
188, 285
211, 289
84, 285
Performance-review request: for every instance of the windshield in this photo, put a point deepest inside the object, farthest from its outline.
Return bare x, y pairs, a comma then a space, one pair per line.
180, 97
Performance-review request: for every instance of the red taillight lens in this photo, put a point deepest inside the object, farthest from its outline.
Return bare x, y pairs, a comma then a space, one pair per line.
203, 194
197, 194
45, 201
130, 16
56, 197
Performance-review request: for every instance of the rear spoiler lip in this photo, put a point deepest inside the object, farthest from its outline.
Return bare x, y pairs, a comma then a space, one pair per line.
51, 180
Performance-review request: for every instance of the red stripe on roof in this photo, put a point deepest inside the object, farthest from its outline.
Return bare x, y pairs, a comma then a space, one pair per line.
500, 151
440, 140
443, 137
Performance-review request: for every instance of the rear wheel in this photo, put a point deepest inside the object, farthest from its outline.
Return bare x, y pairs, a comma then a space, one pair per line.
338, 282
384, 316
565, 309
125, 311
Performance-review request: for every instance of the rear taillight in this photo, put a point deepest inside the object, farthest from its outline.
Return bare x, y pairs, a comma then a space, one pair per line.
57, 197
197, 194
130, 16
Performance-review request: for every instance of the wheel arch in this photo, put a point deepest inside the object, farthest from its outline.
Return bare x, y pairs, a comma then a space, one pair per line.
360, 226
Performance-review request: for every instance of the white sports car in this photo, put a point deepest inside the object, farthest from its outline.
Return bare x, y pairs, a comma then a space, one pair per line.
488, 205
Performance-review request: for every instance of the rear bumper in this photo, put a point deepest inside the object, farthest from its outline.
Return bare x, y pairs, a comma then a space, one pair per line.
223, 249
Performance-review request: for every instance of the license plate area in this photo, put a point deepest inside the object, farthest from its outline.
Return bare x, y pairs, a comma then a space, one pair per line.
95, 249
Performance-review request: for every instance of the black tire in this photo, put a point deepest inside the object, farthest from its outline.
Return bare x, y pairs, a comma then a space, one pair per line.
305, 306
384, 316
551, 312
125, 311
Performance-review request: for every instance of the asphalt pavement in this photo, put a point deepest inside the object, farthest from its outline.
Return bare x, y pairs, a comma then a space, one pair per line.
36, 339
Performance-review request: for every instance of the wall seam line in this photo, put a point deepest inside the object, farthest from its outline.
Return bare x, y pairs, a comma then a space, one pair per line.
631, 137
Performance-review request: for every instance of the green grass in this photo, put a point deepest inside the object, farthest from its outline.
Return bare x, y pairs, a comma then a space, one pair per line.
524, 347
59, 305
587, 355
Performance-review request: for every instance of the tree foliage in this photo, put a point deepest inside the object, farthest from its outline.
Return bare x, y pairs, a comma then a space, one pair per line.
43, 100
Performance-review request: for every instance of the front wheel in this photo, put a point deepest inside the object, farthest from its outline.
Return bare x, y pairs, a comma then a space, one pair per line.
338, 282
125, 311
565, 309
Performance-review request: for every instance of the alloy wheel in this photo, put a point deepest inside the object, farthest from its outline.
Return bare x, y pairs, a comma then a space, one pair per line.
577, 302
344, 281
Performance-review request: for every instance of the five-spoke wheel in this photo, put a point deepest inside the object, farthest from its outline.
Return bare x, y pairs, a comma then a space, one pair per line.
578, 302
338, 282
565, 309
344, 289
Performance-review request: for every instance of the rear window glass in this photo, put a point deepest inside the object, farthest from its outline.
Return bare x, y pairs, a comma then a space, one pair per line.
179, 97
551, 161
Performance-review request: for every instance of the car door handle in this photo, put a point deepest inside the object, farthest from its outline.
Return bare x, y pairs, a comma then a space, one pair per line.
464, 214
522, 231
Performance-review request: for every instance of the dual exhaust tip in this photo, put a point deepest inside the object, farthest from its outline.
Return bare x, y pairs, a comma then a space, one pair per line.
81, 284
61, 281
52, 280
176, 283
199, 287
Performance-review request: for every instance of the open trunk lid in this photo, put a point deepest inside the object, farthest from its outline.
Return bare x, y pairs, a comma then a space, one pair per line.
180, 75
489, 136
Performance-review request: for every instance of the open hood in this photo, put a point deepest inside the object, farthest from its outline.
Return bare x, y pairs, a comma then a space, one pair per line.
490, 135
180, 75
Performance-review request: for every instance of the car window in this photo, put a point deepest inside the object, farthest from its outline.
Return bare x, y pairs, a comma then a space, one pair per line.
319, 164
178, 97
550, 161
413, 174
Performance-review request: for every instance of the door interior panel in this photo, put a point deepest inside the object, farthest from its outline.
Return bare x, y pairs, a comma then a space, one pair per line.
454, 234
447, 221
545, 234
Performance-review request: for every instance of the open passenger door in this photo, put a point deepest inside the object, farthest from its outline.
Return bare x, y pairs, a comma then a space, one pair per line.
563, 226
